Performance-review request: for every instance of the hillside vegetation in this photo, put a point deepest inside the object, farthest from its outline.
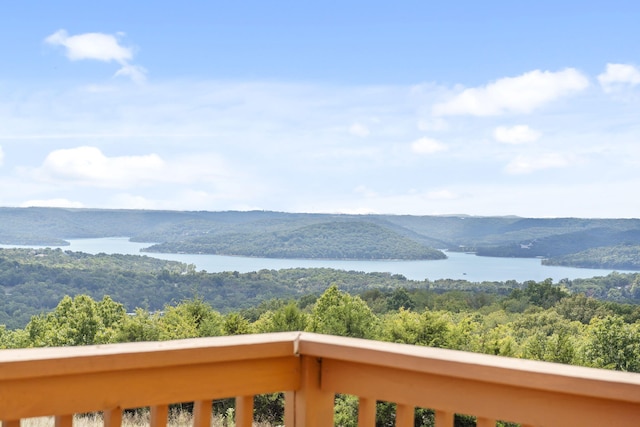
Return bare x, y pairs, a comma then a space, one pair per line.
620, 257
34, 281
330, 240
296, 235
541, 321
63, 298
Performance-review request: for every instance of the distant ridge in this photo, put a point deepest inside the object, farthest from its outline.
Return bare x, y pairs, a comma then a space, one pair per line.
296, 235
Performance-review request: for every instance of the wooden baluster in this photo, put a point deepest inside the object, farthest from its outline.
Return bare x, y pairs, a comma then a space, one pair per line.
202, 413
159, 416
113, 417
11, 423
485, 422
244, 411
63, 421
444, 419
289, 408
405, 415
366, 412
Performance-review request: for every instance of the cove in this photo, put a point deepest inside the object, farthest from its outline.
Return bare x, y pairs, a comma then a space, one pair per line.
459, 266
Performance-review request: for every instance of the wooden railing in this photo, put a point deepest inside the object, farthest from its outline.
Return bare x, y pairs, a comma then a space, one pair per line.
310, 369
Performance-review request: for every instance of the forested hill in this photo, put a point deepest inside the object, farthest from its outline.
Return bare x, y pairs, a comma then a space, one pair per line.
33, 281
329, 240
264, 234
621, 257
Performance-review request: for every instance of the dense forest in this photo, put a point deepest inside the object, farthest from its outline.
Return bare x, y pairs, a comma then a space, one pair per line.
561, 241
52, 297
620, 257
539, 321
331, 240
33, 281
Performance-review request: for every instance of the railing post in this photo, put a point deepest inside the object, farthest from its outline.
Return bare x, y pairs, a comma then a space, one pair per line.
244, 411
113, 417
366, 412
444, 419
405, 415
313, 406
159, 416
202, 413
63, 421
289, 408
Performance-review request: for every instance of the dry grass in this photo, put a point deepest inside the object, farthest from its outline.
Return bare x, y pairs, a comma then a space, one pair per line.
137, 419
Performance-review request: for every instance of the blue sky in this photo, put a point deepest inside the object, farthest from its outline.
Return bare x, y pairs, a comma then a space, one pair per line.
410, 107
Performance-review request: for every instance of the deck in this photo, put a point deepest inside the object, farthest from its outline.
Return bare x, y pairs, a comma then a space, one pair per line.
310, 369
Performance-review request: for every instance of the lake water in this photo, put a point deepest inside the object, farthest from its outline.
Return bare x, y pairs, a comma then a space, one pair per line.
457, 266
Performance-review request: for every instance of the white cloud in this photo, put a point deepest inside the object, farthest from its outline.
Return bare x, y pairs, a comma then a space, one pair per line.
89, 166
1, 156
52, 203
521, 94
619, 76
102, 47
185, 199
358, 129
426, 145
199, 131
518, 134
99, 47
137, 73
528, 164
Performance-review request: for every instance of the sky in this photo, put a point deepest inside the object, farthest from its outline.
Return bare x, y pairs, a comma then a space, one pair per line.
406, 107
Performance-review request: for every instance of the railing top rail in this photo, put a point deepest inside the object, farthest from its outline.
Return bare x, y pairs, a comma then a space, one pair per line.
576, 380
33, 363
20, 364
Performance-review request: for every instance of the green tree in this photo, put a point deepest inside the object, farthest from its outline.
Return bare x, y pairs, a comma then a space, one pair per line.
345, 411
613, 344
338, 313
6, 340
112, 316
400, 298
286, 318
581, 308
236, 324
499, 341
544, 294
111, 313
190, 319
428, 329
176, 323
75, 321
465, 333
141, 326
561, 348
208, 322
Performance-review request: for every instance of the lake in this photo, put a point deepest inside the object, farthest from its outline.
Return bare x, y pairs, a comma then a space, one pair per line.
457, 266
